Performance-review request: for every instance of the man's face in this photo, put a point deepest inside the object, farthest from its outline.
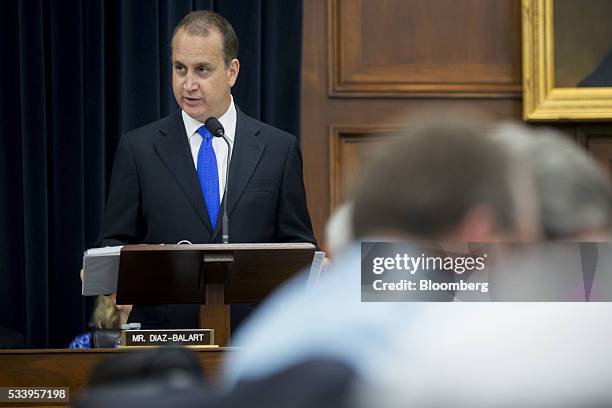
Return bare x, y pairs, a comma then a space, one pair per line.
200, 79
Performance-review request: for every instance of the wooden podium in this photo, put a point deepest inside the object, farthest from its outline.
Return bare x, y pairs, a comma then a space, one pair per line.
212, 275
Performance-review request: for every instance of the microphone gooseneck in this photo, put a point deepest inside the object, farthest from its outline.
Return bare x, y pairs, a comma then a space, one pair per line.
216, 129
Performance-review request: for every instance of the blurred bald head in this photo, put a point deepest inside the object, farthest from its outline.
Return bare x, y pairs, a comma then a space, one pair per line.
446, 180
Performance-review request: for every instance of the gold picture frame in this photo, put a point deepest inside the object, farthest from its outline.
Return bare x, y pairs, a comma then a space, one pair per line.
543, 99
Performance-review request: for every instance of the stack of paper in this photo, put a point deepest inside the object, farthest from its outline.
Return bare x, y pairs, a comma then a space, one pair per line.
100, 271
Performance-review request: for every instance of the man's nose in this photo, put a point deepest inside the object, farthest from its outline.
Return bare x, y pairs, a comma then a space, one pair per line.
190, 83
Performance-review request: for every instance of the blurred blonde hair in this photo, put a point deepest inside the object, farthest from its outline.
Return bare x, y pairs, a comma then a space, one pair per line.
106, 314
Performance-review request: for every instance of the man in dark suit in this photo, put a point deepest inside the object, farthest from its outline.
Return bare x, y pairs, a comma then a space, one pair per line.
169, 176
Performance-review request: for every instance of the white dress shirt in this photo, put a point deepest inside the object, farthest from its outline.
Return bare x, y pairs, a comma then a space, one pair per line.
228, 120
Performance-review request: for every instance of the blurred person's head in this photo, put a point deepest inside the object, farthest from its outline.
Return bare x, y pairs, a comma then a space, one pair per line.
339, 229
159, 377
446, 181
158, 362
574, 192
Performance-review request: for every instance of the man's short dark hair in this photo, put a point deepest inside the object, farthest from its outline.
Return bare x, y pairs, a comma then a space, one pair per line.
425, 182
202, 21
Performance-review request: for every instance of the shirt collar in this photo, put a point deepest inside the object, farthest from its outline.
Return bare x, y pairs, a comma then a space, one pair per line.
228, 120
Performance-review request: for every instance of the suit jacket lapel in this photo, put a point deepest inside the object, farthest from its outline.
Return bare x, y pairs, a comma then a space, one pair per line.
249, 144
175, 152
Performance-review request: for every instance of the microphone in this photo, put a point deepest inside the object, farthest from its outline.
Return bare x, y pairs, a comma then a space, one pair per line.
216, 129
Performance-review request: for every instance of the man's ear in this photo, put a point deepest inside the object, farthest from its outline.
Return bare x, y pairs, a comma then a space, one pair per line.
232, 72
477, 225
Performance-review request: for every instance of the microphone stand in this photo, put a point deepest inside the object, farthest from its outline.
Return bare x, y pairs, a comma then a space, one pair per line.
224, 219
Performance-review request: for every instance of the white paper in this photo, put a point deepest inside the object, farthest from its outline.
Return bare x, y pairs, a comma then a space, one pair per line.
100, 271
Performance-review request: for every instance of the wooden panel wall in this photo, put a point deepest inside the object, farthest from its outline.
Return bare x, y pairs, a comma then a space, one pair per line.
369, 65
422, 47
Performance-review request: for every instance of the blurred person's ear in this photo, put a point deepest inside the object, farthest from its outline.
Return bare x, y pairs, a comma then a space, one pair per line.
478, 225
339, 230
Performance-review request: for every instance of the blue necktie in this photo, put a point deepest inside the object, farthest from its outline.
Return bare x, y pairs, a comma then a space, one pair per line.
209, 175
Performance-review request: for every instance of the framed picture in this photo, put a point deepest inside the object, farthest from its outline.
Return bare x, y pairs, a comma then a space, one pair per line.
567, 60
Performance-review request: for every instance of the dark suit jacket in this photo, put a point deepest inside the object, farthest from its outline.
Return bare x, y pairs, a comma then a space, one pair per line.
155, 195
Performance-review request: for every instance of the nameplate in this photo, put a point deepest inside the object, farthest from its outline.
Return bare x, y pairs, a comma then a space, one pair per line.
177, 337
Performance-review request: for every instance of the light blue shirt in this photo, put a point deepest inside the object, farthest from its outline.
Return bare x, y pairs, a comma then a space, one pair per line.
326, 320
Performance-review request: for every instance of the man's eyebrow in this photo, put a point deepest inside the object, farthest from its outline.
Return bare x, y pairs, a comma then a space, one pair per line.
196, 64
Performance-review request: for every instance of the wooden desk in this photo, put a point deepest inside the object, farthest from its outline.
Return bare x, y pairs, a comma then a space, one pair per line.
71, 368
